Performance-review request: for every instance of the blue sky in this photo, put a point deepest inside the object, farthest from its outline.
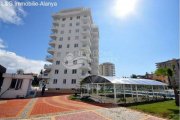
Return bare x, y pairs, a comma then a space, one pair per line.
134, 43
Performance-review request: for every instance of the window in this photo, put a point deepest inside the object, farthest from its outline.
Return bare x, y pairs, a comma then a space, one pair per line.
75, 62
64, 81
16, 84
74, 71
68, 45
62, 25
76, 37
69, 38
71, 18
60, 46
13, 83
75, 45
61, 39
78, 17
55, 81
62, 32
63, 19
70, 24
57, 62
77, 24
73, 81
65, 71
69, 31
77, 30
56, 71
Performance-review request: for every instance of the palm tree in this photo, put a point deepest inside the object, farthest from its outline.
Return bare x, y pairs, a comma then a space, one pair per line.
169, 73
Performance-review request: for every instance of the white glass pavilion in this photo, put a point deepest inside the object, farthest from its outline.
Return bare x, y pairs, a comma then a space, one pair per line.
122, 90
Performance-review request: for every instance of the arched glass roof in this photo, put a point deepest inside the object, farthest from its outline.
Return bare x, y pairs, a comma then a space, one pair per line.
117, 80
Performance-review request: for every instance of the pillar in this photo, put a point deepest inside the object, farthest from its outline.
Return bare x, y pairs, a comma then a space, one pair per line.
136, 93
115, 101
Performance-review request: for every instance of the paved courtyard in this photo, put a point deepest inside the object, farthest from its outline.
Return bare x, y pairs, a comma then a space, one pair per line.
61, 108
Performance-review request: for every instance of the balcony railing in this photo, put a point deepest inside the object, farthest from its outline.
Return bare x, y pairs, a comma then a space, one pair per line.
52, 42
46, 66
49, 58
86, 19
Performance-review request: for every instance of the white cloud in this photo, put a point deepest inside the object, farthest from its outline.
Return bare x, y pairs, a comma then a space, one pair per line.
12, 62
11, 13
2, 44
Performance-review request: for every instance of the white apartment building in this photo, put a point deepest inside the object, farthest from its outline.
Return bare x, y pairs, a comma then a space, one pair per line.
107, 69
73, 50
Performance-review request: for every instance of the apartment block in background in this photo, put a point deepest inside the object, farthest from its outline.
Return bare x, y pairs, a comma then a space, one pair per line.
107, 69
174, 66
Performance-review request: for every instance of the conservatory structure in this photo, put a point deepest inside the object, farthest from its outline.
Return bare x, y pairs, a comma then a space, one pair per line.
122, 90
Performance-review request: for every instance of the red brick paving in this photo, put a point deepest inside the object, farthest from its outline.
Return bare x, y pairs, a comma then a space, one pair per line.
58, 104
42, 108
11, 108
81, 116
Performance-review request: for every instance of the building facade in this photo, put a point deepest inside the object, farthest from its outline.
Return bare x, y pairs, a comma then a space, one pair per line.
174, 66
73, 51
107, 69
16, 85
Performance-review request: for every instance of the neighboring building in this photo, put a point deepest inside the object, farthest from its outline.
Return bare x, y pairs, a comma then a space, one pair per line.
2, 70
107, 69
16, 85
73, 49
174, 65
157, 77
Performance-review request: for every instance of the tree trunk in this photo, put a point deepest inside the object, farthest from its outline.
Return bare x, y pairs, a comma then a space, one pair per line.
173, 83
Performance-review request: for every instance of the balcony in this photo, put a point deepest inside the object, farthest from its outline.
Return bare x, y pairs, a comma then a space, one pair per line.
86, 19
49, 58
86, 33
86, 48
86, 25
53, 36
85, 66
52, 42
54, 29
86, 41
47, 67
44, 76
51, 50
95, 34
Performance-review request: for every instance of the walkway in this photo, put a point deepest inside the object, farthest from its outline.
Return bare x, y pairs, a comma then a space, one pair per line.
61, 108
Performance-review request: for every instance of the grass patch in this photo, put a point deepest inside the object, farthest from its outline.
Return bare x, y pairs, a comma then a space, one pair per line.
166, 109
84, 99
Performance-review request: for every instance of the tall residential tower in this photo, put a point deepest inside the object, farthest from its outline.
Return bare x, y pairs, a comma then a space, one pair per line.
73, 49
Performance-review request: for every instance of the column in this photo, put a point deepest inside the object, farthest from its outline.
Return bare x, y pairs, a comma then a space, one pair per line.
97, 89
136, 93
115, 101
153, 92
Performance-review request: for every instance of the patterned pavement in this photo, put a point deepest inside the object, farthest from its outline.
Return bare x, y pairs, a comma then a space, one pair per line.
61, 108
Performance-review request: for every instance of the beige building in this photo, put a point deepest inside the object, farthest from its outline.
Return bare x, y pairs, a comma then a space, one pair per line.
107, 69
173, 65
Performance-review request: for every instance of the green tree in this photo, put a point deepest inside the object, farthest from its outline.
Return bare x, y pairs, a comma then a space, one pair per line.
133, 76
170, 74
